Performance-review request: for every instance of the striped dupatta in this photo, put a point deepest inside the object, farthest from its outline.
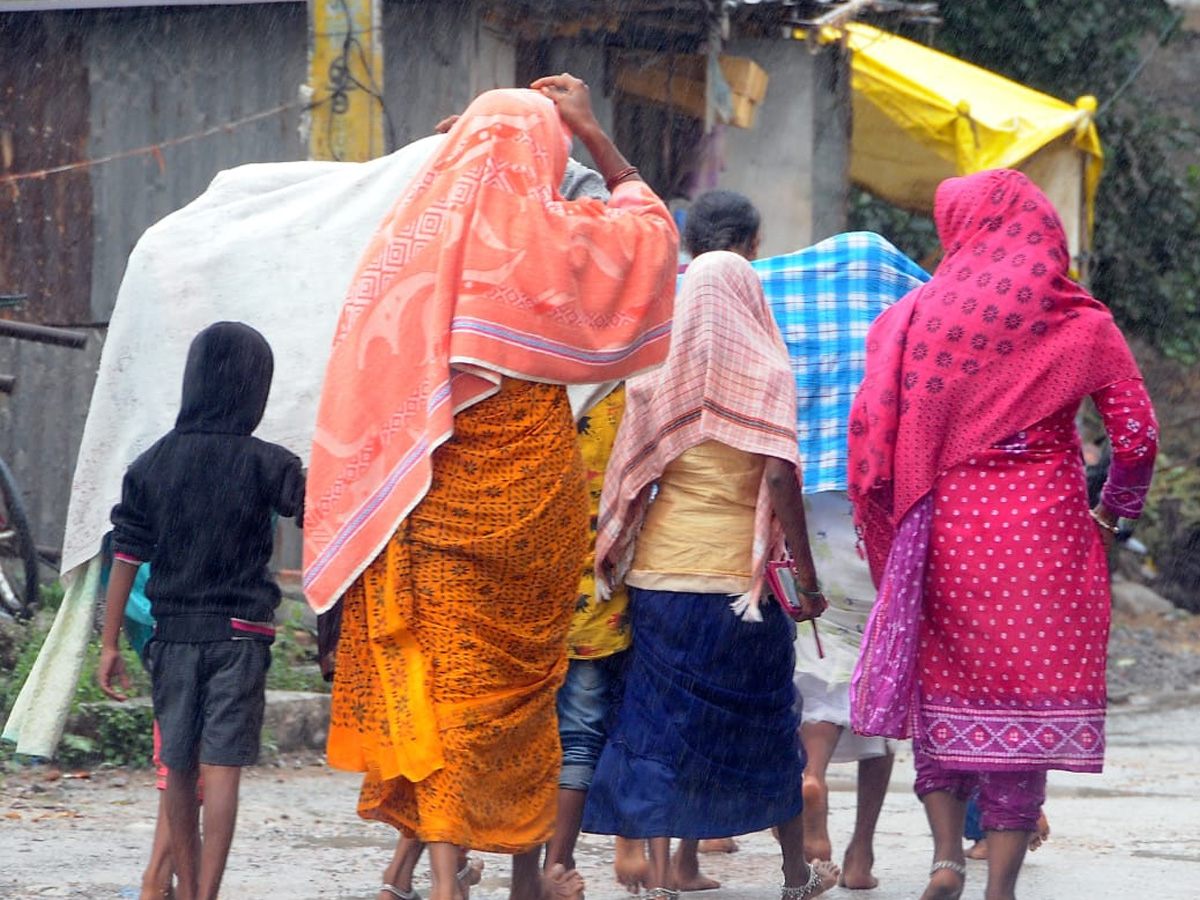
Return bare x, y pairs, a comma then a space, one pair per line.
727, 379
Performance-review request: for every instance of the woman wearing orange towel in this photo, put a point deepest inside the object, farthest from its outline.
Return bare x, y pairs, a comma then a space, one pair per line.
449, 500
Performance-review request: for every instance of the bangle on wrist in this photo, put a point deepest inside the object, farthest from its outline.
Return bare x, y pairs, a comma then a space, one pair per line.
1111, 527
813, 594
613, 180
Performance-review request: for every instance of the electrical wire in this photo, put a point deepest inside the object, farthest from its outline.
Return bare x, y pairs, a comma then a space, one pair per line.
1142, 63
157, 148
342, 81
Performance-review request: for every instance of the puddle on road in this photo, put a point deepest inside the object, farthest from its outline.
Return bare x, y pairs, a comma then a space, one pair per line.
344, 842
1098, 793
1156, 703
1176, 855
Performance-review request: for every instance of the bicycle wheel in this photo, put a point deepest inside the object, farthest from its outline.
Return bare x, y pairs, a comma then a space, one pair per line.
18, 553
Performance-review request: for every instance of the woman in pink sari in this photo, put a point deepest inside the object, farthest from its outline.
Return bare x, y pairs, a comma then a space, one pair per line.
988, 642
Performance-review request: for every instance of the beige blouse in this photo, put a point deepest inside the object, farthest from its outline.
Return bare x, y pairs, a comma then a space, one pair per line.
699, 531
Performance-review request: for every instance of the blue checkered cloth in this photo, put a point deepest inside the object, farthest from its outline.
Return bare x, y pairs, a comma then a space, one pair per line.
825, 298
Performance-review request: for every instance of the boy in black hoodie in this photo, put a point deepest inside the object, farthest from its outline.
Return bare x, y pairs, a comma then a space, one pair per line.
198, 506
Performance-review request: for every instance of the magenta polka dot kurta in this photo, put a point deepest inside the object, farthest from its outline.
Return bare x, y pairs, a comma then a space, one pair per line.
1014, 632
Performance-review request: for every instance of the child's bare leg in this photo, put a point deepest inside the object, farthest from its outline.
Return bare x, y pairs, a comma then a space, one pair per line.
567, 820
873, 777
630, 864
156, 881
399, 872
220, 817
183, 824
719, 845
529, 882
819, 739
685, 869
978, 850
469, 873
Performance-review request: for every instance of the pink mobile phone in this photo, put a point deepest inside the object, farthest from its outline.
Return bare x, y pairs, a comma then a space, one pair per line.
782, 582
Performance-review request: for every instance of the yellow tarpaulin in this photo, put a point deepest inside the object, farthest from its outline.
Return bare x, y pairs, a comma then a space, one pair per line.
921, 116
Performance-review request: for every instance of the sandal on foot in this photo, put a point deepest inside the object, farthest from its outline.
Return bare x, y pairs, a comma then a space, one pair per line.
401, 895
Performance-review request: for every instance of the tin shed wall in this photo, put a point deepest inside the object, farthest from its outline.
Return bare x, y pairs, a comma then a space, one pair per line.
157, 75
111, 81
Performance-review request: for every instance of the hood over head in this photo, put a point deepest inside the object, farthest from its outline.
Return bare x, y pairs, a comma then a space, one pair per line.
226, 380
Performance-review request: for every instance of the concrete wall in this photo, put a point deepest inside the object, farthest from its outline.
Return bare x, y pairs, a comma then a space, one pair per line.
588, 63
437, 58
793, 164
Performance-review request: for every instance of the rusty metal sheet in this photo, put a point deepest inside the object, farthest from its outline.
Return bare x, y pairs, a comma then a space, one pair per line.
45, 224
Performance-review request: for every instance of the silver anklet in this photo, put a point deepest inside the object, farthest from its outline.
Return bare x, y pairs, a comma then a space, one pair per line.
806, 890
660, 893
396, 892
959, 869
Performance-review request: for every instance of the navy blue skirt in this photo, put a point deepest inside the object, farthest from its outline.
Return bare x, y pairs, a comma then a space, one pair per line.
705, 741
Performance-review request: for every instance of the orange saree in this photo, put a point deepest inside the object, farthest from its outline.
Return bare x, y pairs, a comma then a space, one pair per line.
454, 639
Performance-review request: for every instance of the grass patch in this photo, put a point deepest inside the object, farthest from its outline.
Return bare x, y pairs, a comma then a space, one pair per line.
121, 734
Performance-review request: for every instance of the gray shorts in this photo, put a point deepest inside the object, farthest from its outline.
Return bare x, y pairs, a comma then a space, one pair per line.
209, 700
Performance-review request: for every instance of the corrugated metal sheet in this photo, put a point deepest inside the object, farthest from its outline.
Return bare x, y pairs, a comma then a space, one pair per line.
115, 80
105, 83
164, 74
41, 424
46, 224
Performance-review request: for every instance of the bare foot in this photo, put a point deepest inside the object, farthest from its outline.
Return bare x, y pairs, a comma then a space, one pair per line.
719, 845
1039, 837
856, 869
630, 864
560, 884
816, 820
470, 873
944, 884
827, 873
977, 850
686, 875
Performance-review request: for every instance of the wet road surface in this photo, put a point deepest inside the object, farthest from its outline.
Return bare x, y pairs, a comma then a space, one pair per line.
1133, 831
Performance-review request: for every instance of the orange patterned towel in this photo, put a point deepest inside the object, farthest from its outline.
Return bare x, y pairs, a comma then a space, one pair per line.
481, 270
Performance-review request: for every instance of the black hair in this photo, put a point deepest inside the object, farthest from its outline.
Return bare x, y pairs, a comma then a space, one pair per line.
720, 220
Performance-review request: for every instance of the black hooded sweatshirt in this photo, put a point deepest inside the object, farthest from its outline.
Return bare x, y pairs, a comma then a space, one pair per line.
198, 504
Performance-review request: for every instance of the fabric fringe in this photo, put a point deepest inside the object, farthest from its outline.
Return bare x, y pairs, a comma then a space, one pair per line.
745, 609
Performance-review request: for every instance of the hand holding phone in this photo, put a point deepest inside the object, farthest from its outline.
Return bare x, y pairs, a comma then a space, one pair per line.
781, 579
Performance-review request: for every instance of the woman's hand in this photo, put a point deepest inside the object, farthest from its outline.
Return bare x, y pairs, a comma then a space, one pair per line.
573, 99
1107, 523
574, 102
812, 602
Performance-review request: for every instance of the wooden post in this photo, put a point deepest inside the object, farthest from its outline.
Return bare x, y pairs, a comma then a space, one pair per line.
345, 77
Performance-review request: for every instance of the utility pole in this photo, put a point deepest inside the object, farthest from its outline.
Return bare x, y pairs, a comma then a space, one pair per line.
345, 80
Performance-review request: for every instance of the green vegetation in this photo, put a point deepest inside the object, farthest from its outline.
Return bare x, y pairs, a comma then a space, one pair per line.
120, 734
1144, 264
